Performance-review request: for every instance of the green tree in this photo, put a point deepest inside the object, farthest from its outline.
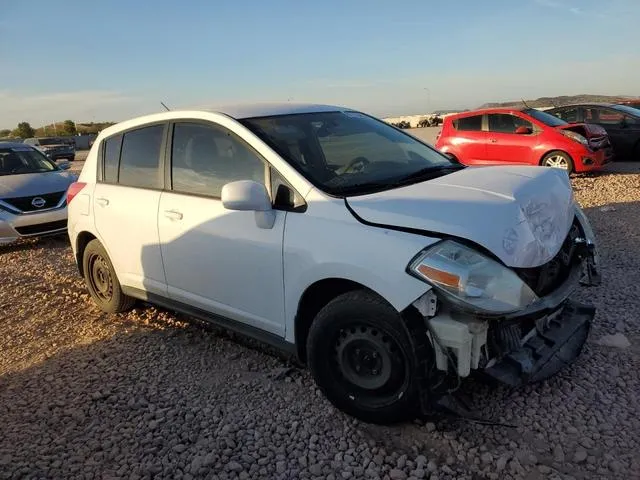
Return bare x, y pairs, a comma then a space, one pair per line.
24, 130
68, 128
5, 132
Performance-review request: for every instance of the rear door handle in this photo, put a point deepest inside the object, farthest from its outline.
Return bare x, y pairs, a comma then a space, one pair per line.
103, 202
493, 140
173, 214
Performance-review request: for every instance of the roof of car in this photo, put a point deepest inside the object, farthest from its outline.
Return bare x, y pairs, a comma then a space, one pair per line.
481, 111
267, 109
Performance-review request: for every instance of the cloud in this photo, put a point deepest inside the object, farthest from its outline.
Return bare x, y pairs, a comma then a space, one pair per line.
86, 105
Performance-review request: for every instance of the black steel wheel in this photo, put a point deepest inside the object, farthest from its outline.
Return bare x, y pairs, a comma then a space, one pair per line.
362, 359
102, 281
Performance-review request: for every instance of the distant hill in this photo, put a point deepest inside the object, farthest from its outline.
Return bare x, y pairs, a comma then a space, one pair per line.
561, 100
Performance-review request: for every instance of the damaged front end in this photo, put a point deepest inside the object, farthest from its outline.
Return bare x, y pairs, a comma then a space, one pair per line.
544, 331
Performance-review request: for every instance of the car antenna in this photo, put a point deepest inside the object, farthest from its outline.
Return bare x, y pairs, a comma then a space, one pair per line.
525, 103
166, 108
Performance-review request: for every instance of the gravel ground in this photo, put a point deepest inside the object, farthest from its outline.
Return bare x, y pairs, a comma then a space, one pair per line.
148, 394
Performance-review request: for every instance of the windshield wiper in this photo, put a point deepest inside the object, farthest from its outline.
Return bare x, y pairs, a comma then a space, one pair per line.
430, 172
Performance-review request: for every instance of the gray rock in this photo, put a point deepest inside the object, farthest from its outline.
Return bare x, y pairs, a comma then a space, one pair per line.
580, 456
617, 340
397, 474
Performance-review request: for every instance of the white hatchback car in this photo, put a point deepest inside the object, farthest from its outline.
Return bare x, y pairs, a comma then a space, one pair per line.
392, 271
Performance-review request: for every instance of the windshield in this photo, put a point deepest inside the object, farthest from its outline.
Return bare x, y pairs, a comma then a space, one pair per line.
16, 161
544, 117
628, 109
349, 152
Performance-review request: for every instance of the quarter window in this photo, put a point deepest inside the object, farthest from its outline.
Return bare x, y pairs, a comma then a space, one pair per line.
111, 158
206, 157
140, 158
473, 123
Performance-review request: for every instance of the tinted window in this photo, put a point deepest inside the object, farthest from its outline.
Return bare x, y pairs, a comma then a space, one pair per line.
568, 115
206, 157
506, 123
111, 158
603, 116
469, 123
140, 158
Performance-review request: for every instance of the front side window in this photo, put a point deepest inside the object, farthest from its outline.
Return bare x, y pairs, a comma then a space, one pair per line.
21, 160
140, 158
603, 116
507, 123
346, 153
206, 157
469, 124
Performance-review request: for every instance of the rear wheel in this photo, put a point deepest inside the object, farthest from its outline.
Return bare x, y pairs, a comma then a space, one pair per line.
362, 359
558, 159
102, 281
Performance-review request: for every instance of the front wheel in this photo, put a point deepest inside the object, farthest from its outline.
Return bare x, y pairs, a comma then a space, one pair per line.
102, 281
559, 160
361, 357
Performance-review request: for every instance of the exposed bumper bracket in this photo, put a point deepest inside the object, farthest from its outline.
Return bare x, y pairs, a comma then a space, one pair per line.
555, 342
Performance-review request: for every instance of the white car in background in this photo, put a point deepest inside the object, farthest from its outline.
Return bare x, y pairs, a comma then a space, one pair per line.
392, 271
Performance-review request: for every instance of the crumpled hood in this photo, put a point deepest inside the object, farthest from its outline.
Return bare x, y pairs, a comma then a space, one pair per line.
520, 214
28, 184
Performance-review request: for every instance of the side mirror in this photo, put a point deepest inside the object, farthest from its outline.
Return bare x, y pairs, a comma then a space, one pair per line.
524, 130
247, 195
64, 166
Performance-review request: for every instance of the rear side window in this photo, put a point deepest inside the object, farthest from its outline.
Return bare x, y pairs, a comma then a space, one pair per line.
111, 158
140, 158
206, 157
473, 123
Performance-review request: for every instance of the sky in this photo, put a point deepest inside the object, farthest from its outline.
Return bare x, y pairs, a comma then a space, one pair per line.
113, 60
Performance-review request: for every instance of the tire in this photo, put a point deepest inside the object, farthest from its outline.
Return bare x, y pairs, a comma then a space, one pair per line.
101, 280
361, 357
558, 159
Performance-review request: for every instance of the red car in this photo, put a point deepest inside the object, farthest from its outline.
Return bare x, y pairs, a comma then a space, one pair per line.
523, 136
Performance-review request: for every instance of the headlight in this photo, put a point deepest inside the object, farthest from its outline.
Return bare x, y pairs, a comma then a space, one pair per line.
467, 276
575, 136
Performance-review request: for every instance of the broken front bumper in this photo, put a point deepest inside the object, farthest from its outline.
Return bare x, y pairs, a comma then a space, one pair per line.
554, 342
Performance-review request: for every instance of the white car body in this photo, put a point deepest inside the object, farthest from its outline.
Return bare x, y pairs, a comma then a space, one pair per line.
253, 268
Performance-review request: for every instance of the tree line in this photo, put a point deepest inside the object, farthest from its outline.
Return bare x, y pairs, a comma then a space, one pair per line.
58, 129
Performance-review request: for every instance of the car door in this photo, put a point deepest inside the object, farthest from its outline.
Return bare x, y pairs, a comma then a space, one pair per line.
504, 145
468, 140
613, 122
216, 259
125, 205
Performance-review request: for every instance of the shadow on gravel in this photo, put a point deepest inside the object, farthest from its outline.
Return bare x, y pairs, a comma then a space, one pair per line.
54, 242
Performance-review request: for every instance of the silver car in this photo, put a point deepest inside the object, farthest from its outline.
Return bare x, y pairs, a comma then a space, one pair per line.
32, 193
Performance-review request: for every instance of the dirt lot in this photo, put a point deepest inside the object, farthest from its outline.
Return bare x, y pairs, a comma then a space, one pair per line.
147, 394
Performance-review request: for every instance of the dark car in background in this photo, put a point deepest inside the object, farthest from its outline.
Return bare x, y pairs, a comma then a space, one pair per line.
622, 123
54, 147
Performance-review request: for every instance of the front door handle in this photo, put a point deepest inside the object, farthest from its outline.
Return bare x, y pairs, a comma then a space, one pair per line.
103, 202
173, 214
493, 140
